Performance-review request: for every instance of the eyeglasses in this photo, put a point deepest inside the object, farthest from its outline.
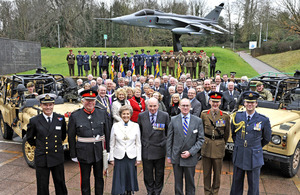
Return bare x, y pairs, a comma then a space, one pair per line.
184, 105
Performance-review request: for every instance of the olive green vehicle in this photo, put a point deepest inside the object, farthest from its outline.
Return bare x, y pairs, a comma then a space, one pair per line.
16, 109
284, 115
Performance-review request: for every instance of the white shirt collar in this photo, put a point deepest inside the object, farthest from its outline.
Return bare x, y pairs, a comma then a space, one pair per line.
46, 117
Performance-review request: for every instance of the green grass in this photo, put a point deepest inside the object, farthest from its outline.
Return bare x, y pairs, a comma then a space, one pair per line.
285, 62
54, 59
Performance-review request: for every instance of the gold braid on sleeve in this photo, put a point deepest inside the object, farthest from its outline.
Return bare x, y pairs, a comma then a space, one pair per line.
238, 125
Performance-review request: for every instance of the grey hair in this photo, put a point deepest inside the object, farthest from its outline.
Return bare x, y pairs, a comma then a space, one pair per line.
124, 108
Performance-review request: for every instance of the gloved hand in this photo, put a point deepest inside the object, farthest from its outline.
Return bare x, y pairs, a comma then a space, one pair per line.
75, 160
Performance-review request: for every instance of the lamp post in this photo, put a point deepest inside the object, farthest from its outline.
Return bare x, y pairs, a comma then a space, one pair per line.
58, 39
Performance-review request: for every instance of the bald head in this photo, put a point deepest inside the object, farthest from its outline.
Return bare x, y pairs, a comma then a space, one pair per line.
152, 105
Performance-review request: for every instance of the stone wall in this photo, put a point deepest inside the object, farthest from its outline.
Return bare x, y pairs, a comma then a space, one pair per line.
19, 56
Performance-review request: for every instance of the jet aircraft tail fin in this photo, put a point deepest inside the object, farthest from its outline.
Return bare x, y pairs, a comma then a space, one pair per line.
214, 14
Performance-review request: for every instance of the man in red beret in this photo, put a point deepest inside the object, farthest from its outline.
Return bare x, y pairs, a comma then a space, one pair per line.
71, 62
91, 127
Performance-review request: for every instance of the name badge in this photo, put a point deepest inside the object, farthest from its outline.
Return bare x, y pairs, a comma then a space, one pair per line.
257, 126
58, 127
195, 131
159, 126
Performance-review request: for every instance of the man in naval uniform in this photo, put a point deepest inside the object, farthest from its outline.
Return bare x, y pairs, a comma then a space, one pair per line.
251, 131
46, 132
90, 125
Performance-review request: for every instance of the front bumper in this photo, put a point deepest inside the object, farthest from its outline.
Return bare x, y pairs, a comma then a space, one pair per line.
276, 157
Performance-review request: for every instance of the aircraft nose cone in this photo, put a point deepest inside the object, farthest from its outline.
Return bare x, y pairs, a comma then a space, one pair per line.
117, 20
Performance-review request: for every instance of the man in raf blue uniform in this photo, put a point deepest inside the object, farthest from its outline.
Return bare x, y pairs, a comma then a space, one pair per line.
142, 59
100, 56
251, 131
149, 60
90, 125
47, 131
79, 59
156, 58
86, 63
105, 63
126, 62
136, 59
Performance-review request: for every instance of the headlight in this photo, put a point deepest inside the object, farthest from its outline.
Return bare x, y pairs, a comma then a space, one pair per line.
276, 139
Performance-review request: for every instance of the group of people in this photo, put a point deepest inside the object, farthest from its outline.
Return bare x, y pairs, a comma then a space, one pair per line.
142, 63
148, 121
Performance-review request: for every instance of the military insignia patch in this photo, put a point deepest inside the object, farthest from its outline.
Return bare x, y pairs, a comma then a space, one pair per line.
60, 119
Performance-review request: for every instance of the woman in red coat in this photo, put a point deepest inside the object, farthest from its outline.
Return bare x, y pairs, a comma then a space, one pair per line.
137, 103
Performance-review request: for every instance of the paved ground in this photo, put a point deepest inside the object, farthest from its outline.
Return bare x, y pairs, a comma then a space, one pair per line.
258, 65
18, 178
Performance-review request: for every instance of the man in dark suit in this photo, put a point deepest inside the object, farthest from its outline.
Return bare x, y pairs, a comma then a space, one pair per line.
230, 98
251, 131
185, 138
225, 82
90, 125
202, 97
47, 131
154, 127
179, 89
213, 61
188, 85
165, 83
196, 105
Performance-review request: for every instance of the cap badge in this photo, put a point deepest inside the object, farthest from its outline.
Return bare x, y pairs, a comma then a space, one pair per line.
47, 97
216, 95
91, 93
250, 95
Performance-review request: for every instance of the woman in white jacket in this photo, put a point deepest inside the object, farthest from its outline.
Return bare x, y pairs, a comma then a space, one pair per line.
121, 96
125, 153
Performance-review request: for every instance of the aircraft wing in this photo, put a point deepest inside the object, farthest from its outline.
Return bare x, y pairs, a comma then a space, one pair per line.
193, 23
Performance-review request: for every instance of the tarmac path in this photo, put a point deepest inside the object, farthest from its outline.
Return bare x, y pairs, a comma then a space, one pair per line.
256, 64
17, 178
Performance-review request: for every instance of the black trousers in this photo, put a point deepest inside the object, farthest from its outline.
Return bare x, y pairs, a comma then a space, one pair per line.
237, 187
212, 70
58, 175
85, 174
149, 69
80, 70
100, 71
154, 171
105, 68
189, 174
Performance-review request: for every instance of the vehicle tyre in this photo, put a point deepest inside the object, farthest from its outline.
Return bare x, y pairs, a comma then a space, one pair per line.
28, 152
290, 169
6, 130
70, 83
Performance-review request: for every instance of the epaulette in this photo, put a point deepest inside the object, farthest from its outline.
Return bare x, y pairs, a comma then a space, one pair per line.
205, 111
76, 110
262, 115
226, 113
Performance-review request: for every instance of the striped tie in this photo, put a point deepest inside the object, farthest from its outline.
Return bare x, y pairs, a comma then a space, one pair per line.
185, 126
152, 119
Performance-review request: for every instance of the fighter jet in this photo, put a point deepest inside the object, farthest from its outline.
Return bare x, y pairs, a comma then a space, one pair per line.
178, 24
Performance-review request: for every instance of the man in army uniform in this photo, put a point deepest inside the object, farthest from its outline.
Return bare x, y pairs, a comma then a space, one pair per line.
30, 93
181, 60
205, 61
86, 63
105, 63
189, 62
156, 59
46, 132
79, 59
195, 60
141, 63
172, 61
216, 131
125, 62
149, 60
251, 131
90, 125
264, 94
71, 62
200, 61
137, 60
94, 60
100, 60
164, 61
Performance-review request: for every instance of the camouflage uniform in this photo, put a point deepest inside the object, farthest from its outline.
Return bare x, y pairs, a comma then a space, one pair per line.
265, 95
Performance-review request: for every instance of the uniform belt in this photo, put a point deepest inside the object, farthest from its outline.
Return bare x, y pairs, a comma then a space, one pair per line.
214, 137
90, 139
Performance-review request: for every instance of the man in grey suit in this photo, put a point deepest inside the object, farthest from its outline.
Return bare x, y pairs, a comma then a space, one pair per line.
196, 105
230, 98
185, 138
154, 126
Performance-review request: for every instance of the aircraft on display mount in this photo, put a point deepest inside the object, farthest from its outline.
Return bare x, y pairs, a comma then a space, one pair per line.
178, 24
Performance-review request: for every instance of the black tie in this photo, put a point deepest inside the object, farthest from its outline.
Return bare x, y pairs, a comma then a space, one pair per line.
49, 120
166, 87
248, 118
